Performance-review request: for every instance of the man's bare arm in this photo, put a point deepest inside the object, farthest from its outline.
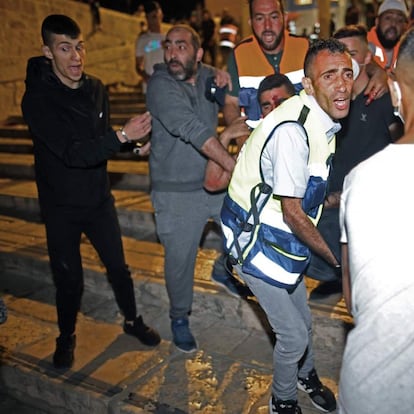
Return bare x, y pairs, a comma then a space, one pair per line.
396, 130
215, 151
231, 109
216, 178
304, 229
377, 85
139, 67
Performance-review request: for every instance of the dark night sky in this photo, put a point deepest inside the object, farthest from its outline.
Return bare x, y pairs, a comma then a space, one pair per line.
177, 9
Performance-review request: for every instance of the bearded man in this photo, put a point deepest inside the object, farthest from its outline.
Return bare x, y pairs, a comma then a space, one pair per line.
183, 139
384, 37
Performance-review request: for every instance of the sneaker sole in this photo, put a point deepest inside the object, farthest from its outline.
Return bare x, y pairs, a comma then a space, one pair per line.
271, 408
302, 388
186, 351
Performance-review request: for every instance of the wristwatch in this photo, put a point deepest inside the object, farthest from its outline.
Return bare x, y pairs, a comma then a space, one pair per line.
123, 133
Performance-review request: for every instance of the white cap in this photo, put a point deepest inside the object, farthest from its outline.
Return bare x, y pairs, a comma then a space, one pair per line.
398, 5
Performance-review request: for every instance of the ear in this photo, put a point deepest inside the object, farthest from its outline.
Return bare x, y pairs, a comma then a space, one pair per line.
307, 85
47, 52
199, 55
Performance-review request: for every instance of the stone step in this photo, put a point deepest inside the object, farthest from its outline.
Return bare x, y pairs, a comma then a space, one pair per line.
126, 97
14, 131
130, 172
19, 199
131, 108
16, 145
113, 373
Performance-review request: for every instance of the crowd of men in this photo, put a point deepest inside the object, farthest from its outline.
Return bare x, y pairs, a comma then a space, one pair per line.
324, 142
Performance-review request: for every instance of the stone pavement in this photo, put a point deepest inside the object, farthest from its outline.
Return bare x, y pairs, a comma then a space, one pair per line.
113, 373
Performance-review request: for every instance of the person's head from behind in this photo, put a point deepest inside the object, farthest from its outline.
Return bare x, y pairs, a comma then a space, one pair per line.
273, 90
154, 16
63, 45
267, 21
401, 81
206, 15
391, 22
182, 52
329, 76
354, 37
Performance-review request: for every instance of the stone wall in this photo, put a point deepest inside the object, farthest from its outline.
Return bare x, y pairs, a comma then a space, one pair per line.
110, 52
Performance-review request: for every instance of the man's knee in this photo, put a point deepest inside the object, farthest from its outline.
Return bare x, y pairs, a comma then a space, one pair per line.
293, 345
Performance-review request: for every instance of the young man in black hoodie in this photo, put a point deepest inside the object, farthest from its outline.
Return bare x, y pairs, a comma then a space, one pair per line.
68, 115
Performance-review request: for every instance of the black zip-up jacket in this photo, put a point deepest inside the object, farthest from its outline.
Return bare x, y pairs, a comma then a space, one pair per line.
72, 139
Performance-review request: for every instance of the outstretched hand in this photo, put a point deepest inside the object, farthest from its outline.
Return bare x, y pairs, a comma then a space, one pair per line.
237, 130
222, 79
138, 127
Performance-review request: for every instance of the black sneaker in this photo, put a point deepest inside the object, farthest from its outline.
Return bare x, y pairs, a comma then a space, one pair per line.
232, 286
64, 354
328, 288
321, 396
283, 407
144, 333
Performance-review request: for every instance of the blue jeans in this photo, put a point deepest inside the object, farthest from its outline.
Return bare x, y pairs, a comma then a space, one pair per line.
180, 220
290, 318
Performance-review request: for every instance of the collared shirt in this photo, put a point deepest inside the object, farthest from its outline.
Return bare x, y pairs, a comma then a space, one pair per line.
285, 157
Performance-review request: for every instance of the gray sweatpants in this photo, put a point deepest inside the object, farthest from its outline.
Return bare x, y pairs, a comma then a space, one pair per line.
291, 320
180, 220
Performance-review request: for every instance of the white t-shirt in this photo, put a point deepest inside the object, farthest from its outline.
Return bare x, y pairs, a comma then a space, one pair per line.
149, 45
285, 156
377, 222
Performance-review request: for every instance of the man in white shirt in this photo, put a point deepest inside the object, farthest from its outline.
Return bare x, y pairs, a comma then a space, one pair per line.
149, 49
377, 374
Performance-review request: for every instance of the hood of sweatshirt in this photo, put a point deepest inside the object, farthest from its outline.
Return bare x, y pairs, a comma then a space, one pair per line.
39, 72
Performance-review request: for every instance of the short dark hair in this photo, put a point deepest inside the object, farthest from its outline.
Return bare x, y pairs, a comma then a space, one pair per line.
59, 24
332, 45
406, 51
282, 7
150, 6
275, 81
352, 30
195, 38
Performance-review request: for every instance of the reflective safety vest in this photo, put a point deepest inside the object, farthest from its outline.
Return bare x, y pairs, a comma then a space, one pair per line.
253, 67
256, 236
228, 35
379, 52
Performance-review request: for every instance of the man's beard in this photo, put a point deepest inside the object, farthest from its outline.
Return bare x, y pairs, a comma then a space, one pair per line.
386, 43
186, 72
274, 45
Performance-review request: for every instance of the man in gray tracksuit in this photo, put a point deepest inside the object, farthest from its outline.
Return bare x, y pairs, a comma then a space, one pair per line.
183, 139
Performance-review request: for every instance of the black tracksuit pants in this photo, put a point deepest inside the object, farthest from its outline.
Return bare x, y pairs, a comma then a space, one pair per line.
64, 227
